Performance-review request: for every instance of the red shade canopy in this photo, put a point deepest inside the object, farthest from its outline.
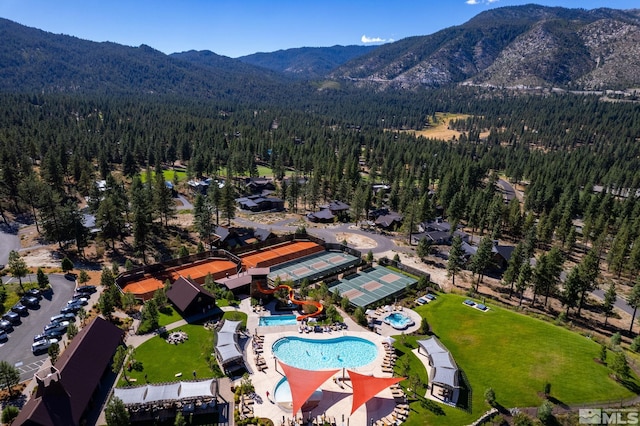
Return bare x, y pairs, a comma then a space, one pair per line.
366, 387
303, 383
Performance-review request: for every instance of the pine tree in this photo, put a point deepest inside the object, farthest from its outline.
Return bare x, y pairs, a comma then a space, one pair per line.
17, 267
455, 261
424, 248
589, 271
524, 277
634, 301
513, 267
610, 297
142, 217
228, 202
163, 199
116, 413
203, 216
481, 260
571, 289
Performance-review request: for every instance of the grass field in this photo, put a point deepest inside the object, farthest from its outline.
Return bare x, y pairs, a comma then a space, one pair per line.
161, 361
515, 355
168, 175
168, 316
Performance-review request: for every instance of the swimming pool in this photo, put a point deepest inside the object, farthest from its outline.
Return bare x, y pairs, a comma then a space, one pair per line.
398, 321
282, 396
313, 354
277, 320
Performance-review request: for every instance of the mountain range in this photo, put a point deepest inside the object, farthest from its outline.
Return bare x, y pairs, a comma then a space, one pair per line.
504, 47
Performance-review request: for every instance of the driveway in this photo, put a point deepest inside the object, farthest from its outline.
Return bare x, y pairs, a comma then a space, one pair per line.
17, 350
9, 240
383, 243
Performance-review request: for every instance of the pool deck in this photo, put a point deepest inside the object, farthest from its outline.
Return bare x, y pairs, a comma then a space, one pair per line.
337, 397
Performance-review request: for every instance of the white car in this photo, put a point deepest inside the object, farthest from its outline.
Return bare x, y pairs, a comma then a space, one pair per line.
79, 301
63, 317
57, 326
42, 345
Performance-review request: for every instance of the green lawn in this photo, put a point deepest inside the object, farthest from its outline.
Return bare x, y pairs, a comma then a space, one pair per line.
161, 361
515, 355
168, 316
168, 175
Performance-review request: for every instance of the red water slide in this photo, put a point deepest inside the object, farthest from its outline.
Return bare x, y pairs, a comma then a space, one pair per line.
293, 300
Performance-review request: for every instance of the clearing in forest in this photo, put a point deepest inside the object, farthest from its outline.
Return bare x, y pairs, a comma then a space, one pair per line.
439, 129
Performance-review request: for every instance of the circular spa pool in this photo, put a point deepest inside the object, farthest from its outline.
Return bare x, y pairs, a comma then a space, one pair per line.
314, 354
398, 321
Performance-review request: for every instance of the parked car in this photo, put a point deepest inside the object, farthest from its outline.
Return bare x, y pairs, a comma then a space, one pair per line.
71, 309
30, 301
42, 345
61, 326
34, 292
19, 309
63, 317
6, 326
55, 333
3, 336
87, 289
12, 317
40, 336
79, 300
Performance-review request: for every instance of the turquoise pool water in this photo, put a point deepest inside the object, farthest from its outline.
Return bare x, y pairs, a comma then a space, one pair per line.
278, 320
282, 395
398, 321
312, 354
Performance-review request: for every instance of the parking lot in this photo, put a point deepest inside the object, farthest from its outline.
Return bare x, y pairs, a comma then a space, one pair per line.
17, 349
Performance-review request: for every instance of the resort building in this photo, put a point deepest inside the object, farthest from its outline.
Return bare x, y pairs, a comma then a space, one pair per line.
67, 390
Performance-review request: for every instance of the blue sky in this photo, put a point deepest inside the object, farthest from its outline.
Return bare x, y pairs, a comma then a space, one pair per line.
241, 27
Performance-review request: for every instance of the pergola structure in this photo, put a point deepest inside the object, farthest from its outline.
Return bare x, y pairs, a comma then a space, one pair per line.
228, 352
445, 371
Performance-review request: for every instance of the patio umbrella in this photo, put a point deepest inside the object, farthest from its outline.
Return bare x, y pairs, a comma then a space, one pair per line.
388, 340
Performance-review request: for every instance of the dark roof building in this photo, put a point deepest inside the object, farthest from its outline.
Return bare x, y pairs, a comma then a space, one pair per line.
437, 225
259, 203
189, 296
65, 390
258, 184
336, 207
230, 238
322, 216
391, 220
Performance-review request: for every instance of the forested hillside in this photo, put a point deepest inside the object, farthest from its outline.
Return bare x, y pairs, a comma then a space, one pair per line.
526, 45
307, 62
33, 60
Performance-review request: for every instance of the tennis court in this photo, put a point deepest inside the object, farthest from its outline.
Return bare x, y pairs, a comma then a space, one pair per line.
280, 254
372, 285
313, 267
217, 268
145, 287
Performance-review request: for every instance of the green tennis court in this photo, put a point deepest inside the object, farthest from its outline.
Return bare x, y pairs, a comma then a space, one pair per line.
372, 285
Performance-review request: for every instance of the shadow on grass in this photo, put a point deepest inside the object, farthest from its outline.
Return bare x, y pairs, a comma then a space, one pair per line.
556, 401
432, 406
632, 385
466, 394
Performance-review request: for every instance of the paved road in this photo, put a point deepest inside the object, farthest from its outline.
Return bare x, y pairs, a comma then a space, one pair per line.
17, 350
620, 303
9, 240
186, 205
